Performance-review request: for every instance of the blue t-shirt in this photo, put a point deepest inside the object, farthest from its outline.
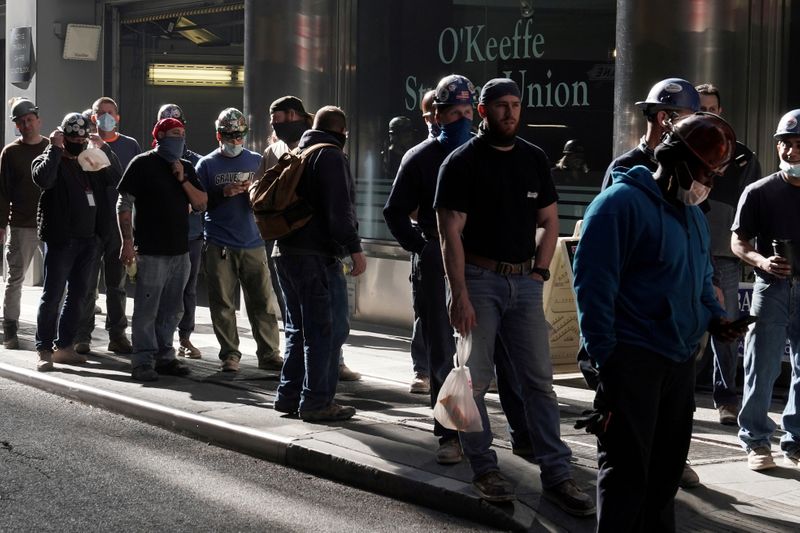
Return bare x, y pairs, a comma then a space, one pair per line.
231, 222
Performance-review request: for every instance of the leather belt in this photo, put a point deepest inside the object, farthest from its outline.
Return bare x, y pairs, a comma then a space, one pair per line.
500, 267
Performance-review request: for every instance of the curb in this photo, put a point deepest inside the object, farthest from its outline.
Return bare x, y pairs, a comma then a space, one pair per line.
389, 479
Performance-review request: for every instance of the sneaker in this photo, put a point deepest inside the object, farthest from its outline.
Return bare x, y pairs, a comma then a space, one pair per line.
173, 368
273, 363
332, 413
421, 384
728, 415
144, 373
449, 452
187, 349
68, 356
120, 345
11, 343
45, 362
494, 487
760, 458
82, 347
570, 498
345, 374
689, 478
793, 457
230, 364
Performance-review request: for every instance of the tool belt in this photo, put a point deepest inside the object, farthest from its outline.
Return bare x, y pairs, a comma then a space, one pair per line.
500, 267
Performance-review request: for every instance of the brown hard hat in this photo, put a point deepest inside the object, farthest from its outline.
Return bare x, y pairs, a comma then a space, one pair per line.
709, 137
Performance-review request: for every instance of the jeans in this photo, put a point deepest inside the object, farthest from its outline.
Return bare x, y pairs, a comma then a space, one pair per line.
245, 267
642, 451
107, 259
66, 267
316, 325
419, 357
509, 310
726, 354
23, 243
157, 307
186, 325
777, 306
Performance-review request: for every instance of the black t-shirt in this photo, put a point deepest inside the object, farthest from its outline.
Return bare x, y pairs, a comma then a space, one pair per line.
161, 217
768, 209
501, 193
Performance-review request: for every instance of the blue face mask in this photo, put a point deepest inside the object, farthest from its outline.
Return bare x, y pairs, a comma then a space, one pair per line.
106, 122
231, 150
170, 148
456, 133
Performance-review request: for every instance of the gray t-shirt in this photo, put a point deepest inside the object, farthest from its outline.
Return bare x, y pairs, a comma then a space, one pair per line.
768, 209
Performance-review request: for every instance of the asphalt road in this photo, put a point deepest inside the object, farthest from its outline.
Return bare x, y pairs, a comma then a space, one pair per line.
65, 466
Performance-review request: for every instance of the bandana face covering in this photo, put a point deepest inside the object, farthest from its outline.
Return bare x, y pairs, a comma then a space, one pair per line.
170, 148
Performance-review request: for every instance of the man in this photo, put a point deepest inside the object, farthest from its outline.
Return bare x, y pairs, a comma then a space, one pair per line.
494, 196
160, 186
645, 299
312, 279
187, 323
19, 198
667, 100
235, 254
70, 219
722, 201
768, 213
290, 120
105, 115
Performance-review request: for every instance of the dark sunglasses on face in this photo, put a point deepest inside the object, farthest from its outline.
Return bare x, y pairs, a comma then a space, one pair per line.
233, 136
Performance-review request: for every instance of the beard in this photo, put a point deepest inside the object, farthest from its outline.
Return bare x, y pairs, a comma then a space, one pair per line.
503, 129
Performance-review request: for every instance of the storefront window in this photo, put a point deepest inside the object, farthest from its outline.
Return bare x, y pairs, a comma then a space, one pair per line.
561, 56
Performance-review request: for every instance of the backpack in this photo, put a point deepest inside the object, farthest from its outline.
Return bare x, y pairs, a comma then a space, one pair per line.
276, 205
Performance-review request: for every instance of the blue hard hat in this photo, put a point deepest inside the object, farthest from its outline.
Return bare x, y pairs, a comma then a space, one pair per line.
454, 90
672, 93
789, 125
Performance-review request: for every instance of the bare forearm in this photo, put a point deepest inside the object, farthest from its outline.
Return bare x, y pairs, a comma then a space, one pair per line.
546, 236
124, 220
198, 198
745, 251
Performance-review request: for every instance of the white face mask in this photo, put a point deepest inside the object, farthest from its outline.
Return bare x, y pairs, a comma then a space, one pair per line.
792, 169
695, 195
232, 150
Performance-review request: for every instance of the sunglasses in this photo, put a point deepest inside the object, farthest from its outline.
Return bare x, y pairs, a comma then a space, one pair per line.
236, 136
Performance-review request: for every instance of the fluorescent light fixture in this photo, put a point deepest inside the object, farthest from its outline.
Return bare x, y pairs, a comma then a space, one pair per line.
177, 74
546, 125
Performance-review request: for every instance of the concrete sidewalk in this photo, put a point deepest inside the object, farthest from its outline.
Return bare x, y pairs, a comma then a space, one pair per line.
388, 446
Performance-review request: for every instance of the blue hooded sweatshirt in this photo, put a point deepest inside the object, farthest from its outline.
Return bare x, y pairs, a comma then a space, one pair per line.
643, 271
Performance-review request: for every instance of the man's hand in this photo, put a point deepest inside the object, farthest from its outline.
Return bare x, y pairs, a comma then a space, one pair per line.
234, 188
57, 139
127, 254
359, 263
177, 171
725, 330
462, 314
777, 266
96, 140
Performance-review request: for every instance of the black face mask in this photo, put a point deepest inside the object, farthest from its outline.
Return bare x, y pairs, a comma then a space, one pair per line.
290, 132
74, 148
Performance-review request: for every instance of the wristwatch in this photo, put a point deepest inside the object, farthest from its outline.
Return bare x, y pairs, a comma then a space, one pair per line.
544, 272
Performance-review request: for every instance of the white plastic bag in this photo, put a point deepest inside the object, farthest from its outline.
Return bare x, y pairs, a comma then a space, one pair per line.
455, 406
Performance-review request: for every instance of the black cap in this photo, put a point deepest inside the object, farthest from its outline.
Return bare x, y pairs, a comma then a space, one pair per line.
288, 103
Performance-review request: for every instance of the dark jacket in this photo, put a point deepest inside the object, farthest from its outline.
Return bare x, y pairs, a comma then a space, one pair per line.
328, 186
55, 176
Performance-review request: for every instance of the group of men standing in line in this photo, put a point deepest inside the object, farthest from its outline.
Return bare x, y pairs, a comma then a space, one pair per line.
97, 202
656, 272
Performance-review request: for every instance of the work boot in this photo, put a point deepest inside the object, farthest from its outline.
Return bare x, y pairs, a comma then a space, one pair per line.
144, 373
187, 349
275, 362
230, 364
449, 452
120, 345
728, 415
10, 340
345, 374
45, 363
689, 478
571, 499
494, 487
421, 384
68, 356
83, 347
332, 413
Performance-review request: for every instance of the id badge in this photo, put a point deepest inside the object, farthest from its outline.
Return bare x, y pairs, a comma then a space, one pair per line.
90, 198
